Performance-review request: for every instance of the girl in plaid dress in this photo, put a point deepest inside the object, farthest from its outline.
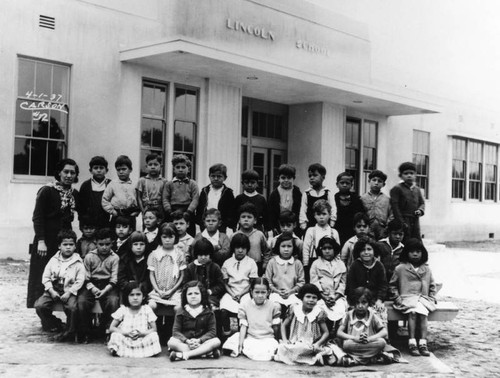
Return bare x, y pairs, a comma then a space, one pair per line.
133, 330
166, 265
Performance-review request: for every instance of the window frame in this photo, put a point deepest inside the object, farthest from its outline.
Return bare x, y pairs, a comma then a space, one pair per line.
56, 103
420, 150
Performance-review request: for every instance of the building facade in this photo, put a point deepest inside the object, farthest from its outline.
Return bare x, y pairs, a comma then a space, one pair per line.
249, 83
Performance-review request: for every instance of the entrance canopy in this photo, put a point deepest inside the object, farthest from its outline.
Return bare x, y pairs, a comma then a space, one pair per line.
272, 82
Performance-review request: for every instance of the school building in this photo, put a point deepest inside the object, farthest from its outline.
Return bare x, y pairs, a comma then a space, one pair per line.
249, 83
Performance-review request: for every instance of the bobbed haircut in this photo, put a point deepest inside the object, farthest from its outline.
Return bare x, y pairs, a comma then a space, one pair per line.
287, 170
138, 236
239, 240
414, 245
66, 234
407, 166
127, 289
285, 236
98, 160
60, 166
360, 245
260, 281
168, 229
379, 174
203, 247
327, 240
201, 287
219, 167
317, 167
123, 160
360, 293
309, 289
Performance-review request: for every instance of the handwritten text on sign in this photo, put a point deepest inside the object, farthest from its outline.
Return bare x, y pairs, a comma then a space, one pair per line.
41, 102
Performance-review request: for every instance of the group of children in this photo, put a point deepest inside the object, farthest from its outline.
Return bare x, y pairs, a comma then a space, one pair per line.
312, 293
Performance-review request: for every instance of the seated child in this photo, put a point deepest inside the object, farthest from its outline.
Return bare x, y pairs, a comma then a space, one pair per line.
133, 329
220, 241
181, 222
123, 229
119, 197
133, 266
217, 196
377, 205
237, 272
286, 197
205, 271
87, 242
259, 251
151, 219
287, 223
328, 273
166, 267
62, 278
317, 191
250, 182
407, 202
91, 192
391, 247
194, 332
367, 271
363, 334
348, 203
322, 214
361, 228
181, 193
150, 187
414, 292
285, 273
259, 325
101, 281
304, 331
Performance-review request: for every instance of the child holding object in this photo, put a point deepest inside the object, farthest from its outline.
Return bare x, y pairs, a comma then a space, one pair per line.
194, 332
413, 288
259, 325
304, 331
133, 330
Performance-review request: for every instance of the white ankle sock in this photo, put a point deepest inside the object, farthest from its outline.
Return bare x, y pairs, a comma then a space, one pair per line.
412, 342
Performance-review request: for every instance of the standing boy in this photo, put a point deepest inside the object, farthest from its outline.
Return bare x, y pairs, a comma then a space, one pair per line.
317, 191
182, 192
150, 188
217, 196
377, 204
91, 192
286, 196
348, 203
407, 202
181, 222
101, 280
250, 180
62, 278
119, 198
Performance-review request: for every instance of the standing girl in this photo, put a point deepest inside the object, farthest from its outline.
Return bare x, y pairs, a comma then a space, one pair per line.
133, 330
304, 331
166, 265
259, 325
285, 273
328, 273
414, 291
194, 332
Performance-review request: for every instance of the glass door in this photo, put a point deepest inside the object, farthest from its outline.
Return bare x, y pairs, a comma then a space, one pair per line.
260, 165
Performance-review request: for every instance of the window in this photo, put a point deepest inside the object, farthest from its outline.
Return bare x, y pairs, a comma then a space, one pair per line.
153, 121
42, 112
360, 133
421, 159
185, 123
474, 170
268, 125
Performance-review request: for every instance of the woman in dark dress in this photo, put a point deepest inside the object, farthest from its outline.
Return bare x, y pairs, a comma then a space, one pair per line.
54, 208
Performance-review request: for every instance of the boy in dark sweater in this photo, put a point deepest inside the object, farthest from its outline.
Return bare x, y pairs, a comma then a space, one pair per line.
250, 179
133, 266
348, 204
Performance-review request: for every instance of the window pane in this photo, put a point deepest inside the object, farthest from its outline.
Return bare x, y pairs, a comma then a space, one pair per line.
147, 132
43, 79
21, 156
244, 121
23, 118
191, 106
60, 84
184, 136
148, 99
38, 157
41, 127
180, 104
58, 125
55, 154
26, 81
160, 101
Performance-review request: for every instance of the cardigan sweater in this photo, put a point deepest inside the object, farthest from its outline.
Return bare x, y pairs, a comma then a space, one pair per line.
274, 209
372, 278
210, 275
260, 203
221, 251
131, 270
345, 215
180, 194
91, 204
405, 201
202, 327
226, 206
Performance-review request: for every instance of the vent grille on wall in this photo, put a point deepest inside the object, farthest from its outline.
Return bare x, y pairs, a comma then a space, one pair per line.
47, 22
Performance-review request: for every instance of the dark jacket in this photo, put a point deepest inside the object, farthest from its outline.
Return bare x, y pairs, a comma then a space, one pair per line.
373, 279
274, 210
345, 216
202, 327
226, 207
131, 270
209, 275
90, 204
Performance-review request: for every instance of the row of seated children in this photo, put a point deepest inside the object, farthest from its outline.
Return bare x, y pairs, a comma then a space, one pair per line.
167, 271
101, 198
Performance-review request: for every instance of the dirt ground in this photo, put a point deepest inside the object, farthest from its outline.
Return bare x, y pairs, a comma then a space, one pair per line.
468, 345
